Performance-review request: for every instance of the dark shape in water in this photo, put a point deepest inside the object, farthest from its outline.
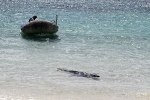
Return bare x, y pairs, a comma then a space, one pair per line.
40, 37
79, 73
39, 27
40, 30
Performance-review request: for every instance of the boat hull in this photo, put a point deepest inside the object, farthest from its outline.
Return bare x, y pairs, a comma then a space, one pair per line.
39, 27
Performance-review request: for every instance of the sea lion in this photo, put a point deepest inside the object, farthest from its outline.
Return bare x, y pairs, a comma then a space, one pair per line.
79, 73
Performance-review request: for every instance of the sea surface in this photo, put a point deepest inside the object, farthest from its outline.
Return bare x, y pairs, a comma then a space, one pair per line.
110, 38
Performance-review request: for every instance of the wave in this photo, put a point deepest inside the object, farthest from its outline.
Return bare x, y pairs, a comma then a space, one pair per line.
89, 5
102, 5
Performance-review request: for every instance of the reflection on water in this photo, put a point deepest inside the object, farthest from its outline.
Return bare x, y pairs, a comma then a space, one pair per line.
40, 37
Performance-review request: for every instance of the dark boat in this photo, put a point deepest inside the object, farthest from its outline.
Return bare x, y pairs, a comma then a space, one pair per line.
39, 27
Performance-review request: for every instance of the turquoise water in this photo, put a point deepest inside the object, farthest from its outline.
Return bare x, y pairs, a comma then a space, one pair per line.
108, 37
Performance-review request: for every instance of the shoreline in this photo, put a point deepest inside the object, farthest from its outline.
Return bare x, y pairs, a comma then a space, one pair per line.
66, 94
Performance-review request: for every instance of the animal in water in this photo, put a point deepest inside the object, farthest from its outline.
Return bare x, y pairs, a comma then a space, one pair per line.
79, 73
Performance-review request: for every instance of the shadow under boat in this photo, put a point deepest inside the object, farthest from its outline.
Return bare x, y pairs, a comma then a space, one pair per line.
40, 37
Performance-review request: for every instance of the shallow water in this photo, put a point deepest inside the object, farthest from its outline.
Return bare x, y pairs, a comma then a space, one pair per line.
108, 37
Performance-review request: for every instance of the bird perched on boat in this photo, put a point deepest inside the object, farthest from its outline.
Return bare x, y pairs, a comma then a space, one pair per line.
32, 18
79, 73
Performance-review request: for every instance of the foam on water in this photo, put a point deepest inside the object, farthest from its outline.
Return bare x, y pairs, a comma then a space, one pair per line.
108, 37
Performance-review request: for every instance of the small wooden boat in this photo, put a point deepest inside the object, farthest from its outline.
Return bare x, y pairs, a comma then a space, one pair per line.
39, 27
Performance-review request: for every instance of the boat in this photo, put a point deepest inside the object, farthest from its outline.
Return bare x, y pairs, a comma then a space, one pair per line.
39, 27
